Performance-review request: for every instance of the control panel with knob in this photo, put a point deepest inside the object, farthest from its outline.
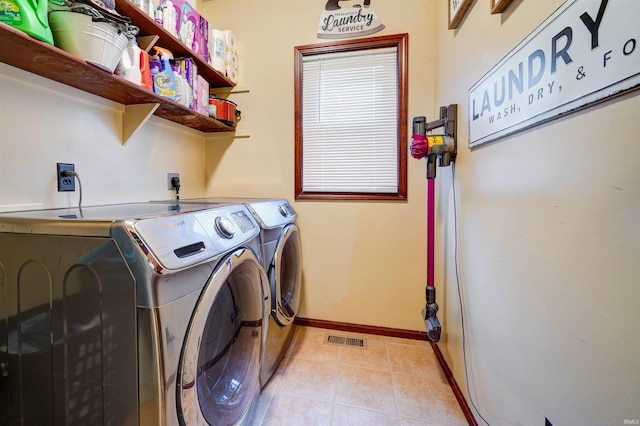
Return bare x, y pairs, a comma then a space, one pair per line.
284, 210
224, 227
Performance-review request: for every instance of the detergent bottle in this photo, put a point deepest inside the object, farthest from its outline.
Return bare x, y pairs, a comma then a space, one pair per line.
164, 83
146, 80
129, 66
177, 78
28, 16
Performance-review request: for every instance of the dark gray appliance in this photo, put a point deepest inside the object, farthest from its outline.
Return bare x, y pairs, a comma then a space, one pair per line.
130, 314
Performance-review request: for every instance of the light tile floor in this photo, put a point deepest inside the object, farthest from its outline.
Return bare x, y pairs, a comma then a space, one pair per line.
391, 382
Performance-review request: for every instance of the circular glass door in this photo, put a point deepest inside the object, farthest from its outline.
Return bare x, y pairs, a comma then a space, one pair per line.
286, 276
218, 377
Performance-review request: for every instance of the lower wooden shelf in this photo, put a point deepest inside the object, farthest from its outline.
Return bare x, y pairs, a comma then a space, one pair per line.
21, 51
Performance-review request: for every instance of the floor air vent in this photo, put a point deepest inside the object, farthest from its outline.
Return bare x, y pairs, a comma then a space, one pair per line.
353, 342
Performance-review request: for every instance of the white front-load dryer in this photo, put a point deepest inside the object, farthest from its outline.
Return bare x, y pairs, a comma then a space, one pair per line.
135, 314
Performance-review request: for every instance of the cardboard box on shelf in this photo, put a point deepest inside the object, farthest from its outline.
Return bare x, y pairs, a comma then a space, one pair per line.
203, 96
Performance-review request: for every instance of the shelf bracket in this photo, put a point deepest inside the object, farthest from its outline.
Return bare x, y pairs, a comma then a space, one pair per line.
147, 42
134, 117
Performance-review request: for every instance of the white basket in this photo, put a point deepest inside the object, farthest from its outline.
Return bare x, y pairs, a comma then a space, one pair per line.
98, 43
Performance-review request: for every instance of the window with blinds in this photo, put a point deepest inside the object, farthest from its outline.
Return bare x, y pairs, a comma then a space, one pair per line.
351, 119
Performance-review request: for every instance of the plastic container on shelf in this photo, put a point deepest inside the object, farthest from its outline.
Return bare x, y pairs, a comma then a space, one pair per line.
129, 67
146, 81
98, 43
164, 83
28, 16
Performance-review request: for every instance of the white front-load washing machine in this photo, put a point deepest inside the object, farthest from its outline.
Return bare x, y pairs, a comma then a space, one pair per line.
139, 313
281, 255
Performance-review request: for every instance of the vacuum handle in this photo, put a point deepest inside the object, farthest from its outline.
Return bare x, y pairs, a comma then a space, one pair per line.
431, 165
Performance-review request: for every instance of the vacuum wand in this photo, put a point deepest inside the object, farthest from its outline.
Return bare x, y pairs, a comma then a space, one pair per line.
431, 308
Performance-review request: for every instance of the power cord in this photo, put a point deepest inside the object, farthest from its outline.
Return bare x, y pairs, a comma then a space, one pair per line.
69, 173
464, 350
175, 182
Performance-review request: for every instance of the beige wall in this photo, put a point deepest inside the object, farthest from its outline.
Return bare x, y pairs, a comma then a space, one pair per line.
363, 261
44, 122
548, 218
549, 245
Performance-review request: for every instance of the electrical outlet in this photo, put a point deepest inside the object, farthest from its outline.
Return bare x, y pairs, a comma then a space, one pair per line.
65, 183
169, 177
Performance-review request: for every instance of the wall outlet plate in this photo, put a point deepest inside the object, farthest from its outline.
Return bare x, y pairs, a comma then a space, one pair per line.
65, 183
169, 177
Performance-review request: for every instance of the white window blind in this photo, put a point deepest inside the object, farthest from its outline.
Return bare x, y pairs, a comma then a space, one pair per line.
350, 122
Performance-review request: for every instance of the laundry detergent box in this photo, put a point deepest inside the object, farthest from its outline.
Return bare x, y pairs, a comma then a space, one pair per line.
193, 29
201, 40
188, 25
189, 70
203, 96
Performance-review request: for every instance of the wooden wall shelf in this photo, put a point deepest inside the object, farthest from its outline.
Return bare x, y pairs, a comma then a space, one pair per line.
149, 27
34, 56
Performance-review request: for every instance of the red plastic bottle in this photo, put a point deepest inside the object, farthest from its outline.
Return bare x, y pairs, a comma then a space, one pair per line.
147, 81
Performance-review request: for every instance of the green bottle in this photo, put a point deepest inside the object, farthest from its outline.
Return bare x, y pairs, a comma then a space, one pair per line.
29, 16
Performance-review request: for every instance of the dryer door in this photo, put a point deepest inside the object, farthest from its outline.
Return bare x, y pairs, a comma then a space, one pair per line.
285, 276
218, 376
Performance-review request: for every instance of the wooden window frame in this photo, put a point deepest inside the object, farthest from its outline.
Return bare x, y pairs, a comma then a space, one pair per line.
399, 41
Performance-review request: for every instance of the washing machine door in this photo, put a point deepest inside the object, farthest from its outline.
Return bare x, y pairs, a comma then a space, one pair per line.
218, 375
285, 276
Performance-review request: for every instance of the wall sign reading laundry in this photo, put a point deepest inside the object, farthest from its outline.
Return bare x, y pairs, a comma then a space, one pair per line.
585, 52
345, 22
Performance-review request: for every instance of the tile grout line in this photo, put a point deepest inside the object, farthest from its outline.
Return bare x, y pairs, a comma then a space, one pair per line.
343, 356
335, 388
393, 385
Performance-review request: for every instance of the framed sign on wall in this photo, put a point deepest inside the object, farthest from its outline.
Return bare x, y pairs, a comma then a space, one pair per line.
457, 10
585, 53
337, 21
